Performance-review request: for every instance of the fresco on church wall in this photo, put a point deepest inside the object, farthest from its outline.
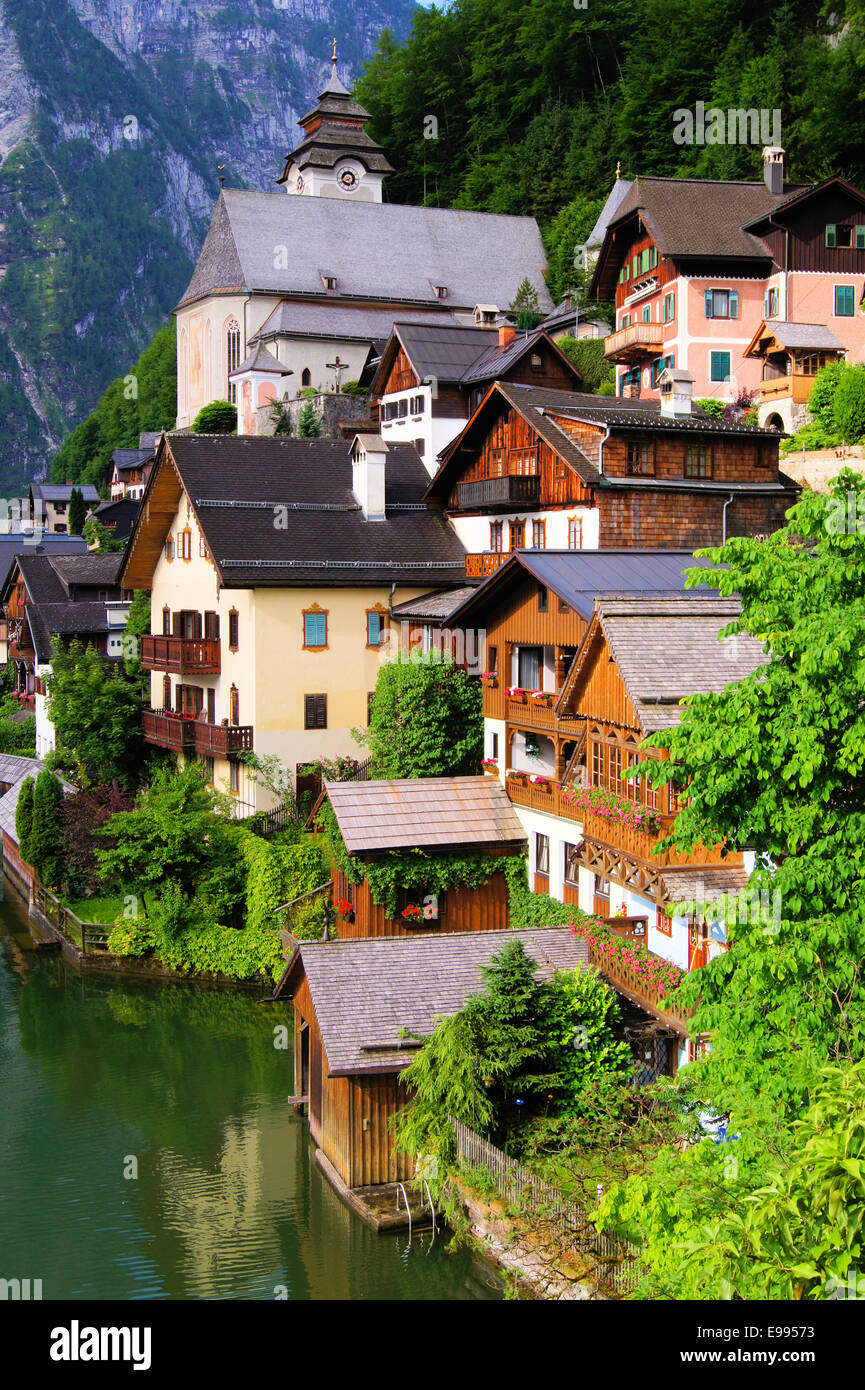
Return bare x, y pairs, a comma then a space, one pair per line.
183, 368
196, 372
246, 407
208, 360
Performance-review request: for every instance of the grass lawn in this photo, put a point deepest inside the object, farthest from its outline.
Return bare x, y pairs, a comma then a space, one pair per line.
97, 910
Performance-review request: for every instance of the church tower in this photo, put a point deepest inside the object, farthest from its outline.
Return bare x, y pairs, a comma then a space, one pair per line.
336, 158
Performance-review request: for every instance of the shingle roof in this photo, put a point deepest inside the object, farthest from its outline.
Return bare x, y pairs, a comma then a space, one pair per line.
437, 606
444, 351
293, 318
495, 361
261, 359
616, 196
366, 992
690, 885
47, 620
701, 217
378, 251
236, 483
62, 492
11, 546
50, 579
435, 812
15, 770
667, 649
802, 335
93, 569
578, 576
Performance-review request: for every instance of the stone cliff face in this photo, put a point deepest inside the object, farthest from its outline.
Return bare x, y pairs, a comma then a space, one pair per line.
115, 116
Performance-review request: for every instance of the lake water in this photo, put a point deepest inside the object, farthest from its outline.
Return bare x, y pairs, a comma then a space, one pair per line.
101, 1079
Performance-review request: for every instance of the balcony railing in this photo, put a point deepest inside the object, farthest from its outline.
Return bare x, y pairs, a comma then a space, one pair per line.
633, 343
499, 492
619, 974
182, 655
221, 740
537, 797
779, 388
536, 714
168, 730
640, 846
479, 566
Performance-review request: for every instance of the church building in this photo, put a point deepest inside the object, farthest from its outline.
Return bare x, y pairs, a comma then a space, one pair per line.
318, 271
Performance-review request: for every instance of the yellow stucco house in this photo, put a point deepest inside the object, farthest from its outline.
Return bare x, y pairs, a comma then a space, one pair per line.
273, 564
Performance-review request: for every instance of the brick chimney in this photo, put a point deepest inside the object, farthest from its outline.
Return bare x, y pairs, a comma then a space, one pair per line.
773, 168
507, 333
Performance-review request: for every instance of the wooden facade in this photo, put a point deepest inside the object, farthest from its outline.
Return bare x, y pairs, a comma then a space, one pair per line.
458, 910
349, 1116
511, 447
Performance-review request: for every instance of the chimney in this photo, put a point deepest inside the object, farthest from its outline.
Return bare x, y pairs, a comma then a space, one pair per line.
773, 168
368, 455
676, 389
507, 333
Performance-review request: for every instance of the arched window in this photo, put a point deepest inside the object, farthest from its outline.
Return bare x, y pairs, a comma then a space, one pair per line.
232, 356
306, 378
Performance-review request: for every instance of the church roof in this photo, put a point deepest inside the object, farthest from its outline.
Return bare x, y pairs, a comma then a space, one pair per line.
377, 251
261, 359
295, 319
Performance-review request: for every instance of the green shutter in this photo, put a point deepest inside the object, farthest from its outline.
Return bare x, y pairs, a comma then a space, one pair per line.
644, 260
636, 264
653, 256
830, 233
707, 298
860, 238
734, 304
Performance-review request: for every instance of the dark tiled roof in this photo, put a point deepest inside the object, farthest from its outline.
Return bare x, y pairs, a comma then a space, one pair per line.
94, 569
701, 217
62, 492
377, 251
444, 351
802, 335
667, 649
613, 410
578, 576
366, 992
70, 619
236, 483
11, 546
119, 516
496, 362
436, 812
126, 459
261, 359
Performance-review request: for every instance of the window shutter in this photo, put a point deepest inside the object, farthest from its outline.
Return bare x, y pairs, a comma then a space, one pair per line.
176, 625
734, 304
653, 257
830, 233
707, 298
860, 238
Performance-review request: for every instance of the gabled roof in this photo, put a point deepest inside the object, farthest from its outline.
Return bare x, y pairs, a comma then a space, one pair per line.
496, 361
435, 607
667, 649
94, 569
458, 356
239, 485
578, 576
803, 193
377, 251
367, 992
13, 544
261, 359
82, 619
616, 196
774, 335
53, 583
126, 459
429, 812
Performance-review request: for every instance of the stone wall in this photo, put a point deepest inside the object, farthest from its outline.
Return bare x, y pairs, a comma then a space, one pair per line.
330, 409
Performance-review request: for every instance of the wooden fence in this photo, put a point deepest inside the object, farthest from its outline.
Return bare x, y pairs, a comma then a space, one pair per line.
610, 1263
266, 823
88, 937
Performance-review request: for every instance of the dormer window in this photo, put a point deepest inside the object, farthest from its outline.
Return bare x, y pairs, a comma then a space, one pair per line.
440, 291
329, 281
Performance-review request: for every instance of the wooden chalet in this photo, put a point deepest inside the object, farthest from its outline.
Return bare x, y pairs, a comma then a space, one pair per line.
542, 469
361, 1011
441, 815
585, 656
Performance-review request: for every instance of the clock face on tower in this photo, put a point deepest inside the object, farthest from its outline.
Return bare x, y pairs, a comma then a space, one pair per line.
347, 179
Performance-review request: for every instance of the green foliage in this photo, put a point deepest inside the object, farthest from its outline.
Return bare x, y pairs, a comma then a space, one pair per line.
131, 939
426, 720
527, 909
711, 406
280, 418
217, 417
96, 711
43, 837
353, 388
278, 870
306, 921
849, 405
821, 402
569, 229
308, 423
587, 355
144, 399
77, 512
137, 626
16, 736
98, 536
586, 1030
24, 819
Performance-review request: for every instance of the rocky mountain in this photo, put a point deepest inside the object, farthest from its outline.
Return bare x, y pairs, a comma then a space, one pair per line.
115, 119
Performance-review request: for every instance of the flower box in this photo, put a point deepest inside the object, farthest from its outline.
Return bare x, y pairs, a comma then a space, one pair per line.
542, 697
515, 693
412, 912
489, 678
542, 783
490, 765
514, 776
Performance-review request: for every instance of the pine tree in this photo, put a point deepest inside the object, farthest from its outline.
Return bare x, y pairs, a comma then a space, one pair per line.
24, 818
308, 425
44, 840
525, 307
77, 512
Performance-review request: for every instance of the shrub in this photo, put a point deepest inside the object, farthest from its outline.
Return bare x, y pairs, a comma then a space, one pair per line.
44, 840
24, 819
131, 939
308, 424
849, 405
219, 417
711, 407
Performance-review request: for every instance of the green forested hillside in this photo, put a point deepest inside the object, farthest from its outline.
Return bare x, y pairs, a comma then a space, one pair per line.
145, 398
536, 100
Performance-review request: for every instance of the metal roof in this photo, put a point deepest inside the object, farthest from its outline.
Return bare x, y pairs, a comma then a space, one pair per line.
15, 770
366, 992
430, 812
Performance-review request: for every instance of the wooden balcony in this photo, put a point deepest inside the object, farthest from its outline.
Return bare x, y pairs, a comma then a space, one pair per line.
480, 566
635, 342
640, 846
634, 987
489, 493
181, 655
798, 386
541, 798
535, 714
222, 740
168, 730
